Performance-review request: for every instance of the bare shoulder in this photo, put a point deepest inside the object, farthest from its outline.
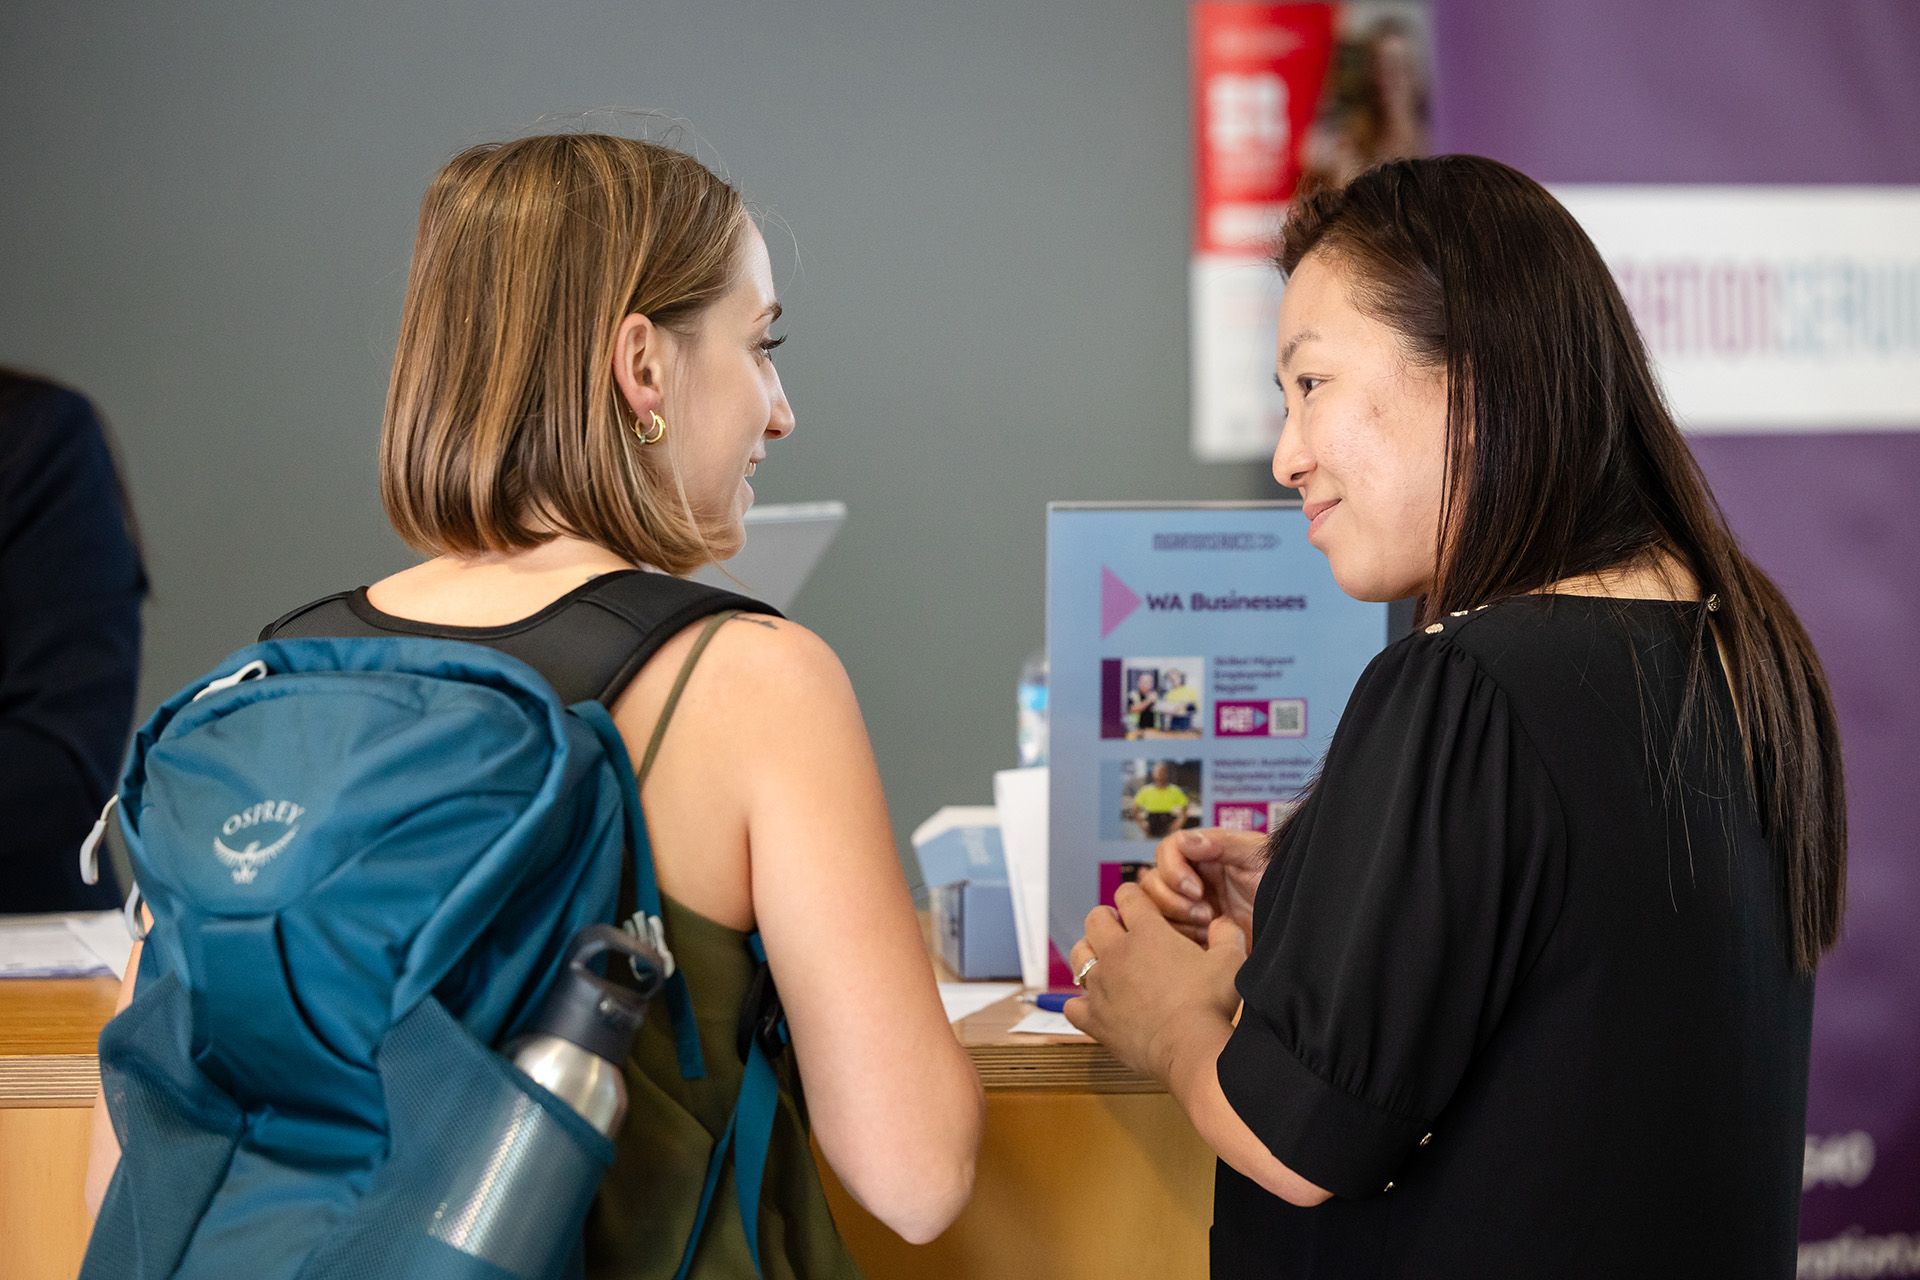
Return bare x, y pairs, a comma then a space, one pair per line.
755, 648
751, 660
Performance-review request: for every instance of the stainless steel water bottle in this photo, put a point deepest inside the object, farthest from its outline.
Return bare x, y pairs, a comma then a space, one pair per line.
516, 1191
586, 1026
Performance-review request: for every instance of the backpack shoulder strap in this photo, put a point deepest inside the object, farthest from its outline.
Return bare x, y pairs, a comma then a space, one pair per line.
749, 1131
759, 1099
589, 643
640, 887
658, 608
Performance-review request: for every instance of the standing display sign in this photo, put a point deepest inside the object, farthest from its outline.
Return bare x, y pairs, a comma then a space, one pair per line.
1258, 70
1199, 657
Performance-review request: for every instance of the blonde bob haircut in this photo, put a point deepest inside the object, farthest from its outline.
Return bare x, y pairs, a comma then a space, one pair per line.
502, 427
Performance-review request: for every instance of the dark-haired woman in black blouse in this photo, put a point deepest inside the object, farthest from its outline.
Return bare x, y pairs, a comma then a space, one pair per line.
1530, 980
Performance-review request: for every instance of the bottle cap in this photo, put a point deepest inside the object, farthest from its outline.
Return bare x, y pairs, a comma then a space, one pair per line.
587, 1009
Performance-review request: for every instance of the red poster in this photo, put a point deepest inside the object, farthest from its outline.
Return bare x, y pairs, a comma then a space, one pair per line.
1258, 70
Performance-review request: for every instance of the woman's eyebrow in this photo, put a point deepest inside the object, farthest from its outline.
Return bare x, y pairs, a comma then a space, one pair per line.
1294, 343
772, 312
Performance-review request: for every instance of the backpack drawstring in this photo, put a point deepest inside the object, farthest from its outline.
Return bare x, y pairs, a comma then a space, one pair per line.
90, 867
90, 847
135, 929
252, 671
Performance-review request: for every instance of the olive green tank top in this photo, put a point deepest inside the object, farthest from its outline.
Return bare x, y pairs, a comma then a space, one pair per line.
644, 1213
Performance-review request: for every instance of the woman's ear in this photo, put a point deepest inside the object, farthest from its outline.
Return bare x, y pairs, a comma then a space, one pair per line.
639, 365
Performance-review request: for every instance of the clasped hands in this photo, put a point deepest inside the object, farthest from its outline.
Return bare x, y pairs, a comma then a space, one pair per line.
1160, 990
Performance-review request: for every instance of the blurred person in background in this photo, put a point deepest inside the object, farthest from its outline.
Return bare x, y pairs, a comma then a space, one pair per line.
1375, 107
71, 583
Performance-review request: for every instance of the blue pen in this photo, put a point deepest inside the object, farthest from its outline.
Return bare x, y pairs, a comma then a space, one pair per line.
1051, 1001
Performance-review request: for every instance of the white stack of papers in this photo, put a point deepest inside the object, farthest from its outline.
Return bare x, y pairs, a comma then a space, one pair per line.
963, 998
105, 933
86, 944
1042, 1023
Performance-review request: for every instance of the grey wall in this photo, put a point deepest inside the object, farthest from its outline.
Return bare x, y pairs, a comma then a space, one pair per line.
206, 211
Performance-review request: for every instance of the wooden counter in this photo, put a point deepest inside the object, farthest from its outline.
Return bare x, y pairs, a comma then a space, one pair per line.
48, 1075
48, 1029
1041, 1064
1086, 1169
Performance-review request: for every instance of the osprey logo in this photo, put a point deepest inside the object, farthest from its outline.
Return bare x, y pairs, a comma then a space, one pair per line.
246, 862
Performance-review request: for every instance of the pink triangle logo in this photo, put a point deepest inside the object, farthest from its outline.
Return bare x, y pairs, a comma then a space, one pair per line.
1117, 602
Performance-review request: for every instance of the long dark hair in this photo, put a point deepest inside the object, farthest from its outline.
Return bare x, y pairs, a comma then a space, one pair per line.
1563, 461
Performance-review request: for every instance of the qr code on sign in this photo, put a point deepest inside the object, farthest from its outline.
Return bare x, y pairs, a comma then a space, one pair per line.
1287, 718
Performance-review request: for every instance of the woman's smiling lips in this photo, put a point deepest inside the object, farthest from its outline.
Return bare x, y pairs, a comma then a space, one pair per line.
1314, 511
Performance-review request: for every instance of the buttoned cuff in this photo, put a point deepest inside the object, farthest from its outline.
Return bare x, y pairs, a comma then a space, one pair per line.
1326, 1135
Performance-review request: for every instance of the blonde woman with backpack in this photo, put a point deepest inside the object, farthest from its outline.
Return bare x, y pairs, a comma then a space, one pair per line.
583, 384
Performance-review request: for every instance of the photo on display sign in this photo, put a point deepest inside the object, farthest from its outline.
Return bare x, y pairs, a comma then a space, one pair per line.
1148, 799
1158, 698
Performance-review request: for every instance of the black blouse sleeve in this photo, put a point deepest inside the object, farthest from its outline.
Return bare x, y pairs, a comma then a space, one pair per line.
70, 591
1411, 893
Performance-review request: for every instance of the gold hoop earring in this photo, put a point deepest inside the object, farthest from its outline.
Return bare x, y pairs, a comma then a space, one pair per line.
644, 437
653, 436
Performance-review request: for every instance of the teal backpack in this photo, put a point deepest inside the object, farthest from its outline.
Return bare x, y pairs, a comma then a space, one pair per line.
365, 859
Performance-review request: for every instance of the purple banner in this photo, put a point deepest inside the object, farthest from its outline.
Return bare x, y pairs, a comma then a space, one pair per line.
1749, 92
1745, 91
1833, 519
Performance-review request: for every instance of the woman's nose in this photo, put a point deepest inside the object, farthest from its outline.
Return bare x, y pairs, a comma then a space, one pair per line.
780, 422
1291, 461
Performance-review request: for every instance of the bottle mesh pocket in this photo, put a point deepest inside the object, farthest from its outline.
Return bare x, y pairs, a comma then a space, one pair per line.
489, 1176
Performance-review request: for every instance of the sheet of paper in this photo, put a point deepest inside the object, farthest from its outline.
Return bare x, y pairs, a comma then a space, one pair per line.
105, 933
45, 948
963, 998
1042, 1023
1021, 797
